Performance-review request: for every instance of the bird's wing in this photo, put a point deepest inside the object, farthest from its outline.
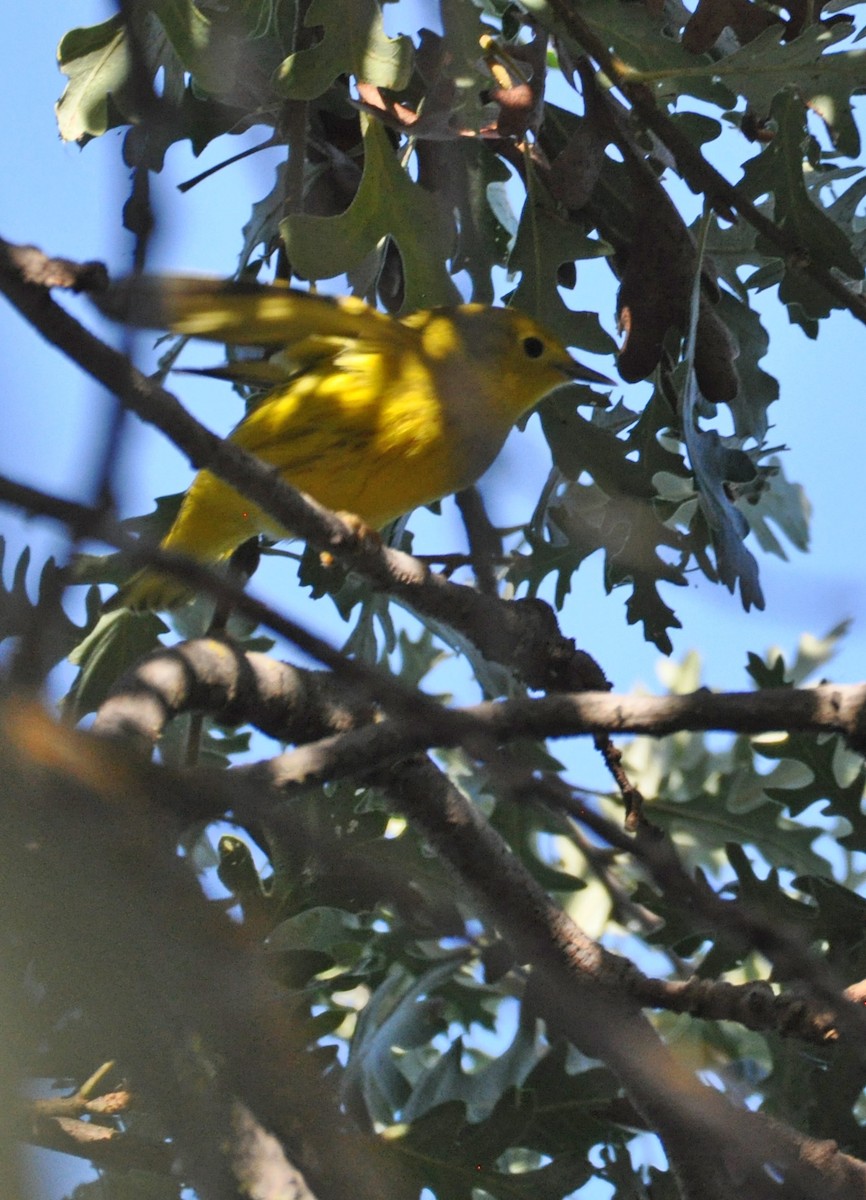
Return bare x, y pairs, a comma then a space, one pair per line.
248, 314
363, 399
279, 368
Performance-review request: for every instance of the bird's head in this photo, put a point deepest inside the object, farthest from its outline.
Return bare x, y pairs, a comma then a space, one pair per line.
526, 361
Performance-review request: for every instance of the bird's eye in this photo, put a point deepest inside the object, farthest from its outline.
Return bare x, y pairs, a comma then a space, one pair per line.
533, 347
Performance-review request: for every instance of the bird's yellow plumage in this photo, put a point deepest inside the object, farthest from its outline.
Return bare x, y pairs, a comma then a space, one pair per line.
366, 413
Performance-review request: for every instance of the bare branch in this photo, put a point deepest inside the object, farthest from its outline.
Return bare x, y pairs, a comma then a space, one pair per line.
213, 675
107, 1148
830, 708
36, 269
593, 997
253, 688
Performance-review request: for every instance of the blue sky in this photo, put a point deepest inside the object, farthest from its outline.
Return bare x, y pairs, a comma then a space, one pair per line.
67, 202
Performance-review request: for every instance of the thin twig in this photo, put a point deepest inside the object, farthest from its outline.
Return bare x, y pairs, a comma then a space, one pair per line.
485, 544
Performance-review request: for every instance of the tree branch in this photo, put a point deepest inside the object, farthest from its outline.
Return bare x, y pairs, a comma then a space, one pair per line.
237, 687
591, 995
104, 1147
830, 708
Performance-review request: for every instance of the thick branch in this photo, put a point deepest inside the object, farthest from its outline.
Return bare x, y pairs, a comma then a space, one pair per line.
592, 996
219, 678
236, 688
829, 708
106, 1148
293, 704
214, 676
541, 934
752, 1005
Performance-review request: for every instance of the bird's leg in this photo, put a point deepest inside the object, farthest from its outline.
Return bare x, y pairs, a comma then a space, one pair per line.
358, 528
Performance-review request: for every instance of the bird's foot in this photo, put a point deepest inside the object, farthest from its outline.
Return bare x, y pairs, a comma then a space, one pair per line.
359, 529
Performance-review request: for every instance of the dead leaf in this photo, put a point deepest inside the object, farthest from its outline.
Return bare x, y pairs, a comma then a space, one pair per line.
715, 355
656, 290
520, 71
657, 280
435, 123
575, 171
712, 17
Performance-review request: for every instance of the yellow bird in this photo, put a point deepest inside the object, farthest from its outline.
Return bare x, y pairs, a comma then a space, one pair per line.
370, 414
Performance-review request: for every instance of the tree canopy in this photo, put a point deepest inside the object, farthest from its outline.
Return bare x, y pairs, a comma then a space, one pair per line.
348, 937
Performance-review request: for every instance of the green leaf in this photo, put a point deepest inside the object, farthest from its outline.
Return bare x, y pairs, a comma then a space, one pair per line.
263, 226
783, 503
401, 1013
640, 39
19, 615
189, 32
843, 211
466, 175
722, 816
96, 61
758, 389
353, 42
820, 758
418, 657
618, 514
118, 640
544, 242
327, 930
715, 465
706, 799
682, 931
387, 204
766, 65
213, 53
100, 94
840, 922
114, 568
813, 654
826, 772
551, 1114
767, 901
730, 247
215, 744
238, 873
830, 98
780, 169
480, 1090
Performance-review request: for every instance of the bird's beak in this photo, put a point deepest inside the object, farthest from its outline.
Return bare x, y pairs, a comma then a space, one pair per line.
579, 374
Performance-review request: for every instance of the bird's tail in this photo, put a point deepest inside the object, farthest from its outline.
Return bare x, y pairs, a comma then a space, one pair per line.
149, 590
213, 520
